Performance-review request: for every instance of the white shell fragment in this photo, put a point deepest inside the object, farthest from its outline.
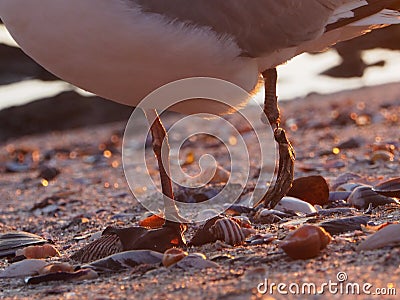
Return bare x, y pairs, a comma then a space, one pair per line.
197, 261
296, 205
388, 235
23, 268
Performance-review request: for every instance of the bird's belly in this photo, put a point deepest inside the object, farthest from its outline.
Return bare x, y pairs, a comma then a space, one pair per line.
120, 53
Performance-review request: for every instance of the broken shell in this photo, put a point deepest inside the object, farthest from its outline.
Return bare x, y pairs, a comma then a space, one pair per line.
197, 261
388, 235
56, 267
343, 179
337, 226
296, 205
312, 189
104, 246
44, 251
230, 231
390, 188
125, 260
338, 195
153, 221
23, 268
381, 156
362, 196
10, 242
172, 256
63, 276
305, 242
348, 187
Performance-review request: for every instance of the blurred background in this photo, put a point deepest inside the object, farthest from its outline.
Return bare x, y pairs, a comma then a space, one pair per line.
28, 92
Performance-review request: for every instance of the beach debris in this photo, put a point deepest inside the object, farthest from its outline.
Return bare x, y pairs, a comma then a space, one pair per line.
43, 251
23, 268
114, 240
153, 221
48, 173
305, 242
172, 256
235, 209
362, 196
343, 179
338, 195
125, 260
312, 189
56, 267
12, 241
84, 274
381, 156
260, 239
269, 216
202, 235
341, 225
229, 231
390, 188
196, 261
388, 235
296, 205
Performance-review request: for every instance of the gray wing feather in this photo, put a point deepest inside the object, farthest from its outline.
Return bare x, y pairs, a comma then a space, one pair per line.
258, 26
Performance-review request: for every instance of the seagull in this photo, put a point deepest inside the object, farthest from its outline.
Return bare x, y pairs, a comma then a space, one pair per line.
123, 50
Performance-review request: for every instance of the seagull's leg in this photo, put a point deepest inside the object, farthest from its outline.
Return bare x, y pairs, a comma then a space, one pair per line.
159, 136
284, 178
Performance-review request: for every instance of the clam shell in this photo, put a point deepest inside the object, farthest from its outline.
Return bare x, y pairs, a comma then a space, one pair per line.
390, 188
196, 261
23, 268
172, 256
43, 251
295, 204
12, 241
337, 226
305, 242
362, 196
125, 260
388, 235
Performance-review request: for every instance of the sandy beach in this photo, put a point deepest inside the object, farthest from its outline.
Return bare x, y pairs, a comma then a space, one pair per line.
90, 193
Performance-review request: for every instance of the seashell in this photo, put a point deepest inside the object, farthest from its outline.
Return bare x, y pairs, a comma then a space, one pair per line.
62, 276
305, 242
268, 216
348, 187
172, 256
362, 196
196, 261
153, 221
202, 235
390, 188
43, 251
388, 235
125, 260
337, 226
338, 195
230, 231
23, 268
104, 246
56, 267
296, 205
381, 156
12, 241
312, 189
343, 179
243, 221
260, 239
235, 209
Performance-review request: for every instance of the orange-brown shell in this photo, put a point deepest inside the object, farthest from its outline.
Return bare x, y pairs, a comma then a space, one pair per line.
56, 267
38, 252
153, 222
172, 256
305, 242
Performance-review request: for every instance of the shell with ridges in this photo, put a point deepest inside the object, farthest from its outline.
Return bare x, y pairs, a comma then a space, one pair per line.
230, 231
